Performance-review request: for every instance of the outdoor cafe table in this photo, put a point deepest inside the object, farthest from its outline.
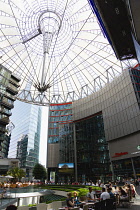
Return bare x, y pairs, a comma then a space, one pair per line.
84, 204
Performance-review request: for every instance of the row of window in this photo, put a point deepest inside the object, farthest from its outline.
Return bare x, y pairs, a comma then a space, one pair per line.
125, 167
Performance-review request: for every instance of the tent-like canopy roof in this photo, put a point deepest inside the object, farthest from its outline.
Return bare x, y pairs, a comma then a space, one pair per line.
57, 48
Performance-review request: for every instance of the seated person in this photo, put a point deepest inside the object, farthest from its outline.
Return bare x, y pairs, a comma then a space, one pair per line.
104, 195
91, 196
69, 200
133, 190
76, 200
123, 195
109, 190
11, 207
4, 193
128, 190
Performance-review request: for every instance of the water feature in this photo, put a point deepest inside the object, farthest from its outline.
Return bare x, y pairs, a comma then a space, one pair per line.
24, 196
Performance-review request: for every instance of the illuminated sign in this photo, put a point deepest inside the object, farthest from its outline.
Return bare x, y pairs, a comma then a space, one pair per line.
119, 154
66, 168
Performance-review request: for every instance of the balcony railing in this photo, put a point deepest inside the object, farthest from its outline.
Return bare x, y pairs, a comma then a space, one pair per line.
12, 88
4, 119
14, 82
7, 102
2, 129
9, 96
2, 137
5, 111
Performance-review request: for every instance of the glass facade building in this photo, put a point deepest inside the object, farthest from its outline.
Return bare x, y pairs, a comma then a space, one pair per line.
60, 114
66, 143
26, 134
93, 161
135, 77
127, 168
60, 138
81, 143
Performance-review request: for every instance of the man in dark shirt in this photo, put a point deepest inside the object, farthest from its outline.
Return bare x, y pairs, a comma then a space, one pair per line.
109, 190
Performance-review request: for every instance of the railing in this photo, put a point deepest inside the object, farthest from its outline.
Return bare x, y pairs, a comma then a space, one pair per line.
7, 102
12, 87
4, 119
7, 200
14, 82
14, 194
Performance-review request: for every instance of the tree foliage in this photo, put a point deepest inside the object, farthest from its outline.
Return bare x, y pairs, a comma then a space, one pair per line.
39, 172
16, 173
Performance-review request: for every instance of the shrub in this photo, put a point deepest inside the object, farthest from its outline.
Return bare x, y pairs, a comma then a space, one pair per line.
30, 205
82, 192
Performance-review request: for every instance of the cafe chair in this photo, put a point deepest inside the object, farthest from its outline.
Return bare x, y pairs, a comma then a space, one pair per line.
85, 207
109, 204
97, 206
75, 208
103, 205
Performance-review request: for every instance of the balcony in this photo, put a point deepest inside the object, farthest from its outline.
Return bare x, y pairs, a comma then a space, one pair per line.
2, 129
14, 82
2, 137
7, 102
4, 119
11, 88
5, 111
8, 95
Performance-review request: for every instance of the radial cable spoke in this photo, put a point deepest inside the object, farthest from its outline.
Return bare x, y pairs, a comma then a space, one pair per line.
56, 47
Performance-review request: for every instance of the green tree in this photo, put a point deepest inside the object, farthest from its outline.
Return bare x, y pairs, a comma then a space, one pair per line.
39, 172
16, 173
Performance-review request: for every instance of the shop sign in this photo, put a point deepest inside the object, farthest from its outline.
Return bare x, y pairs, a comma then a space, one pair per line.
119, 154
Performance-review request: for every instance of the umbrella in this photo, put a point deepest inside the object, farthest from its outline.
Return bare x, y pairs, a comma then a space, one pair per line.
8, 176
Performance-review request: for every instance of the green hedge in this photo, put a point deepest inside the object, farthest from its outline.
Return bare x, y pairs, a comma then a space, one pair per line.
82, 190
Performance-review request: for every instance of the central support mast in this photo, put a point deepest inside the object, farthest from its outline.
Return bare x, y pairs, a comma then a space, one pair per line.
49, 25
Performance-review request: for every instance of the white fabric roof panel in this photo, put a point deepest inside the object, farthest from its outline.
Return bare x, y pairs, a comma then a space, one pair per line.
79, 53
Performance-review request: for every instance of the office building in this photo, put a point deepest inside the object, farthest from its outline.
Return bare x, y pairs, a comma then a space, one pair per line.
25, 138
60, 137
66, 144
8, 163
107, 130
8, 89
119, 103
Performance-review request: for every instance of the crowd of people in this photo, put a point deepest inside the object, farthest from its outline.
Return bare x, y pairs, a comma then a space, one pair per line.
110, 190
10, 184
